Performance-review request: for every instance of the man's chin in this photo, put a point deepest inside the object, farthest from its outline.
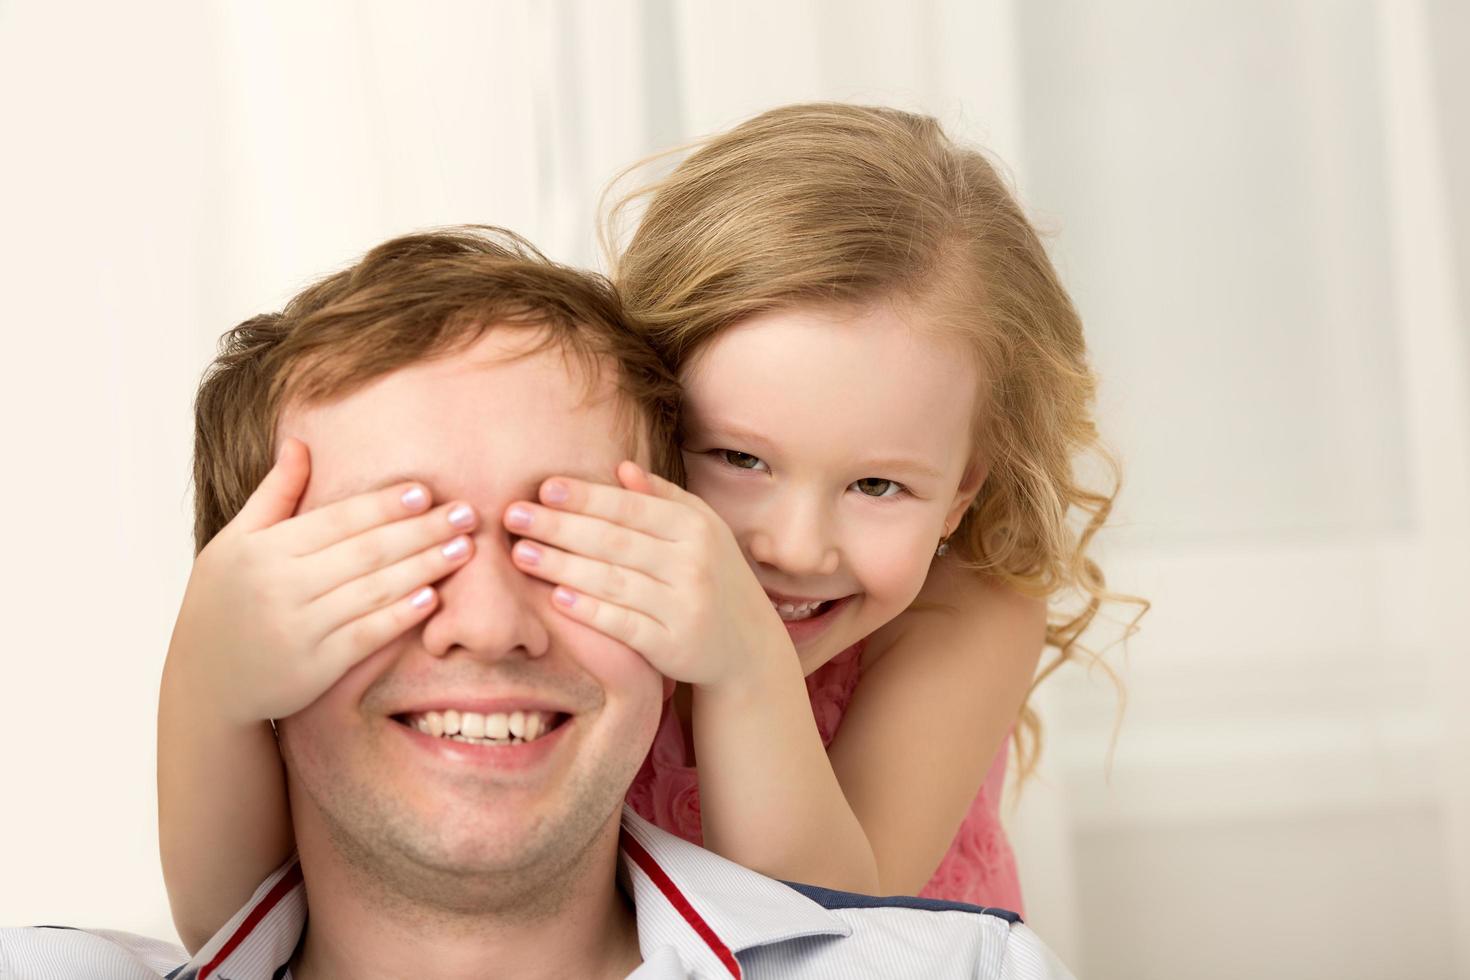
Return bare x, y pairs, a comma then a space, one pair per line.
434, 827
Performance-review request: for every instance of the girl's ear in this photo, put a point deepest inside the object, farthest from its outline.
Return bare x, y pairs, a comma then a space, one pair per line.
964, 496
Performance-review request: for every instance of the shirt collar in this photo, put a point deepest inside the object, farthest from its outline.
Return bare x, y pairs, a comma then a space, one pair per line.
260, 939
707, 908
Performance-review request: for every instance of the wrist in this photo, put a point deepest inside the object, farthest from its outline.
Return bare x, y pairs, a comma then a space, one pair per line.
760, 670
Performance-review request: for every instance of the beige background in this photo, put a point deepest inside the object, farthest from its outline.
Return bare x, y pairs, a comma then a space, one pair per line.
1262, 211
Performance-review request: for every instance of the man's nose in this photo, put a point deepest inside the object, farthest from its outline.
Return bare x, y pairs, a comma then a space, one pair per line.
794, 535
488, 608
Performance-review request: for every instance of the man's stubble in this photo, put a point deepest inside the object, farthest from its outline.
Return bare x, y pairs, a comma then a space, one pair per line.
421, 870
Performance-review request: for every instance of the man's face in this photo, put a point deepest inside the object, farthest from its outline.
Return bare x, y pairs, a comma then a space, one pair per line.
485, 428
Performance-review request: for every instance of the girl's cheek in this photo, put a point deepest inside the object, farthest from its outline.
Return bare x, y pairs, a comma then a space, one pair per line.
891, 565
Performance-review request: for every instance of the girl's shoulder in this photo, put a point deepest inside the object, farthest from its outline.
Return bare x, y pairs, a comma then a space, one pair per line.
955, 601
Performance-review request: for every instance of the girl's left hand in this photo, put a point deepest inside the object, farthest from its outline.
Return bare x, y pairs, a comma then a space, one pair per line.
653, 566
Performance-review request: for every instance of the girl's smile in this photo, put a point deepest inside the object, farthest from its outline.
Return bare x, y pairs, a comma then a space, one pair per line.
808, 619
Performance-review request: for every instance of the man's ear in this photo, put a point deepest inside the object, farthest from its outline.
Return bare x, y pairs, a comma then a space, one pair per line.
964, 495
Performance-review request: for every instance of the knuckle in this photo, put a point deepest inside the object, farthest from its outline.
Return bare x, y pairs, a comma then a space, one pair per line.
615, 539
374, 593
698, 576
368, 552
681, 573
622, 622
360, 636
336, 523
614, 582
633, 636
631, 507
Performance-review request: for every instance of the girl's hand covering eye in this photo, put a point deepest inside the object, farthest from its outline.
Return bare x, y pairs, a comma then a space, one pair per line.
278, 607
651, 565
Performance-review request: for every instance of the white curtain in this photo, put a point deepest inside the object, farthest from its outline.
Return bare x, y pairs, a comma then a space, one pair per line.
1251, 201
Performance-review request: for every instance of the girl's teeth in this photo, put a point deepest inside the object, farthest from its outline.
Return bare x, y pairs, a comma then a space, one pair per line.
793, 611
513, 728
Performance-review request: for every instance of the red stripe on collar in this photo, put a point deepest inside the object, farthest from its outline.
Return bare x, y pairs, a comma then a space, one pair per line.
676, 898
272, 898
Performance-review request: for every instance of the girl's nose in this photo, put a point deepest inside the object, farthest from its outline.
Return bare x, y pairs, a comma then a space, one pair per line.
795, 539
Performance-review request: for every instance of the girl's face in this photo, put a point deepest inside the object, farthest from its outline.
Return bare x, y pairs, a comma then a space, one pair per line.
837, 446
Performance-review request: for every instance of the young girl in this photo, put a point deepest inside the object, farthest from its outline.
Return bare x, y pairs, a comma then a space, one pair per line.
886, 387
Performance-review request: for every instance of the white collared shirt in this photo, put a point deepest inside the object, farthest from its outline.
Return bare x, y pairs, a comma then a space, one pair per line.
698, 916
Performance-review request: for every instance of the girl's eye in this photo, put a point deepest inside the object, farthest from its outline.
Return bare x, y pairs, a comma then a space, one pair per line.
743, 461
872, 486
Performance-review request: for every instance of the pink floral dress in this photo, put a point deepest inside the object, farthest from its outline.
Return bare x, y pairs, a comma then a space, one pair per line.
979, 867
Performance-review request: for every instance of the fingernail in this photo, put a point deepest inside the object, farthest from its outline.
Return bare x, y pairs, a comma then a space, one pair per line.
527, 552
564, 596
555, 492
422, 597
462, 515
518, 516
414, 497
456, 549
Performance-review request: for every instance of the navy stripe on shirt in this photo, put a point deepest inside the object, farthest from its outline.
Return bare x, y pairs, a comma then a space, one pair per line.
830, 898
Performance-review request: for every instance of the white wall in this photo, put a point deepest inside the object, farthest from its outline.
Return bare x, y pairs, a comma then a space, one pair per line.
1250, 201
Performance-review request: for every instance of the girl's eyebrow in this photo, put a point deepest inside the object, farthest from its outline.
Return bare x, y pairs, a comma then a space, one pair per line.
904, 464
735, 431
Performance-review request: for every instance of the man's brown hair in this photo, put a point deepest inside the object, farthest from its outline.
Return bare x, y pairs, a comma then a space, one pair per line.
411, 299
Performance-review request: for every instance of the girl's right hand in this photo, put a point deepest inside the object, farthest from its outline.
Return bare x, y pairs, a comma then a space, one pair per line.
279, 607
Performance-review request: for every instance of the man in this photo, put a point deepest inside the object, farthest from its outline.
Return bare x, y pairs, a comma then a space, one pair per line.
419, 856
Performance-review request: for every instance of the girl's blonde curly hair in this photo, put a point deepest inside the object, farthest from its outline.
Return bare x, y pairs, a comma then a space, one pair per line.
828, 203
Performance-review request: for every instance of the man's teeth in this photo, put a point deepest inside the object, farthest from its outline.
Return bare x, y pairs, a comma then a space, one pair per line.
792, 611
513, 728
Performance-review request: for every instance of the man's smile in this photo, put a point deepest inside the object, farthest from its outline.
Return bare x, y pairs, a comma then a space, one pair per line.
541, 734
512, 727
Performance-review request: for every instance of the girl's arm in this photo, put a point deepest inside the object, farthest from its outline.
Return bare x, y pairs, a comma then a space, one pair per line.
223, 819
769, 797
930, 715
278, 607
